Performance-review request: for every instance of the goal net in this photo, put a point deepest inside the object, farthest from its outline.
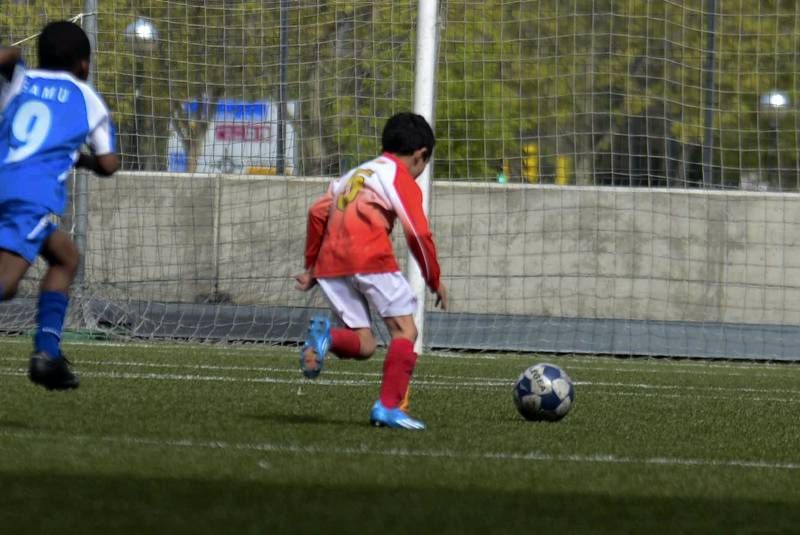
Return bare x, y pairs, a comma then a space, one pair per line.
609, 177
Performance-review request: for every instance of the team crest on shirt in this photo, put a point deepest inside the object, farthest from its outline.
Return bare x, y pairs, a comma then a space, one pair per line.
353, 187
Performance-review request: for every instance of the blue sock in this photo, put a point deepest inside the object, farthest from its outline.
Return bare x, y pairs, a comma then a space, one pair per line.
50, 321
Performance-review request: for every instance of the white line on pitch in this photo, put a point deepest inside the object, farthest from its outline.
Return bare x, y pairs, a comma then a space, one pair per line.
202, 378
581, 361
215, 367
421, 382
267, 380
365, 449
451, 378
575, 363
572, 362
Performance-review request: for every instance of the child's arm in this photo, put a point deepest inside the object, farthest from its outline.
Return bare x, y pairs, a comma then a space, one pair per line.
315, 230
102, 156
9, 57
407, 201
103, 165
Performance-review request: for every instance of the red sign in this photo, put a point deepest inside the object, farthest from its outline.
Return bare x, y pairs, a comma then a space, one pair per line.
241, 132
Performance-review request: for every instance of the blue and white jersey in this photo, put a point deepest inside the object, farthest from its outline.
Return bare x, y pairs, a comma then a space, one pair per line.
45, 117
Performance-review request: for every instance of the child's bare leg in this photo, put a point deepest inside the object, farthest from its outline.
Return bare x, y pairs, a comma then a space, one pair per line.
346, 343
12, 268
62, 258
356, 343
48, 367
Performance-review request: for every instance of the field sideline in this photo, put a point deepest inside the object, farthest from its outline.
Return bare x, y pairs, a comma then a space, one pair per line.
210, 439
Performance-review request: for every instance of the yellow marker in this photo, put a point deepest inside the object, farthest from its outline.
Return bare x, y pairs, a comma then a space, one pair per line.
563, 170
530, 163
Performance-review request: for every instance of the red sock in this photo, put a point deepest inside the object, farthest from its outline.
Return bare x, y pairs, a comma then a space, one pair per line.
397, 370
345, 343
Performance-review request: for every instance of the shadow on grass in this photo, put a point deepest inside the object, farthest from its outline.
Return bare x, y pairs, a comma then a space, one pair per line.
13, 424
42, 503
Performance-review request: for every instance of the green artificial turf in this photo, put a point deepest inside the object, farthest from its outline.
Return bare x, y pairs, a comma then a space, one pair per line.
214, 439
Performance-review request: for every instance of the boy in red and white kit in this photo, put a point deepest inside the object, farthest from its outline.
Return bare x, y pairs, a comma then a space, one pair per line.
349, 253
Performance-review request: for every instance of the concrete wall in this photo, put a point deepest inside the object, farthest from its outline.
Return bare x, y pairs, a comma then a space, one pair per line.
151, 235
511, 249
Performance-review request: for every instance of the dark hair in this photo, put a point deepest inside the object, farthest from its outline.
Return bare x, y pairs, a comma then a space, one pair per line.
406, 132
62, 45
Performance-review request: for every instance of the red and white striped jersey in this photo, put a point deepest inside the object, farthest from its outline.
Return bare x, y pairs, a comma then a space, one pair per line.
349, 227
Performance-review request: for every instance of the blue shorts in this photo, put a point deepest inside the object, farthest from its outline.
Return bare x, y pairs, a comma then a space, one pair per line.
24, 227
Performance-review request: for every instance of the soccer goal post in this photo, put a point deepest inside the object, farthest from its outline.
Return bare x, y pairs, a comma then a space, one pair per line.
609, 177
424, 104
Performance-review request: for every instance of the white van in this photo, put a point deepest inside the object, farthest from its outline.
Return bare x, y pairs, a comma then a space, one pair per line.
240, 138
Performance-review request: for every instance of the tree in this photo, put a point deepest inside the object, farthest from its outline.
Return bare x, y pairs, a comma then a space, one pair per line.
616, 85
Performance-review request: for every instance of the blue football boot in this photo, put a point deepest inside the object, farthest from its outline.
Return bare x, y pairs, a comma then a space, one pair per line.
395, 418
318, 340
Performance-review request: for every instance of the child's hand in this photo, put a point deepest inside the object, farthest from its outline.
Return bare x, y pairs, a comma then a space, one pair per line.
305, 281
441, 297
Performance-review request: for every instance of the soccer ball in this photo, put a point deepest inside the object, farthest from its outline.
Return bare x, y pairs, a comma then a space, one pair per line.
544, 392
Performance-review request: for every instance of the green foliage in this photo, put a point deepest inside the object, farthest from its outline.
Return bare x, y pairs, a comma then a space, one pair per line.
569, 76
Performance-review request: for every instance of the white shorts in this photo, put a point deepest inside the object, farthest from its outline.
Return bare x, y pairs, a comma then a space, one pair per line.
350, 297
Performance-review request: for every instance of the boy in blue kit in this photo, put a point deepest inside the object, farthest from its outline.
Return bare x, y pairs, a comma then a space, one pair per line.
46, 116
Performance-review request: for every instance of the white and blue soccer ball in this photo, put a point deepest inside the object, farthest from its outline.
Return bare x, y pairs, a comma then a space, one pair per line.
544, 392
